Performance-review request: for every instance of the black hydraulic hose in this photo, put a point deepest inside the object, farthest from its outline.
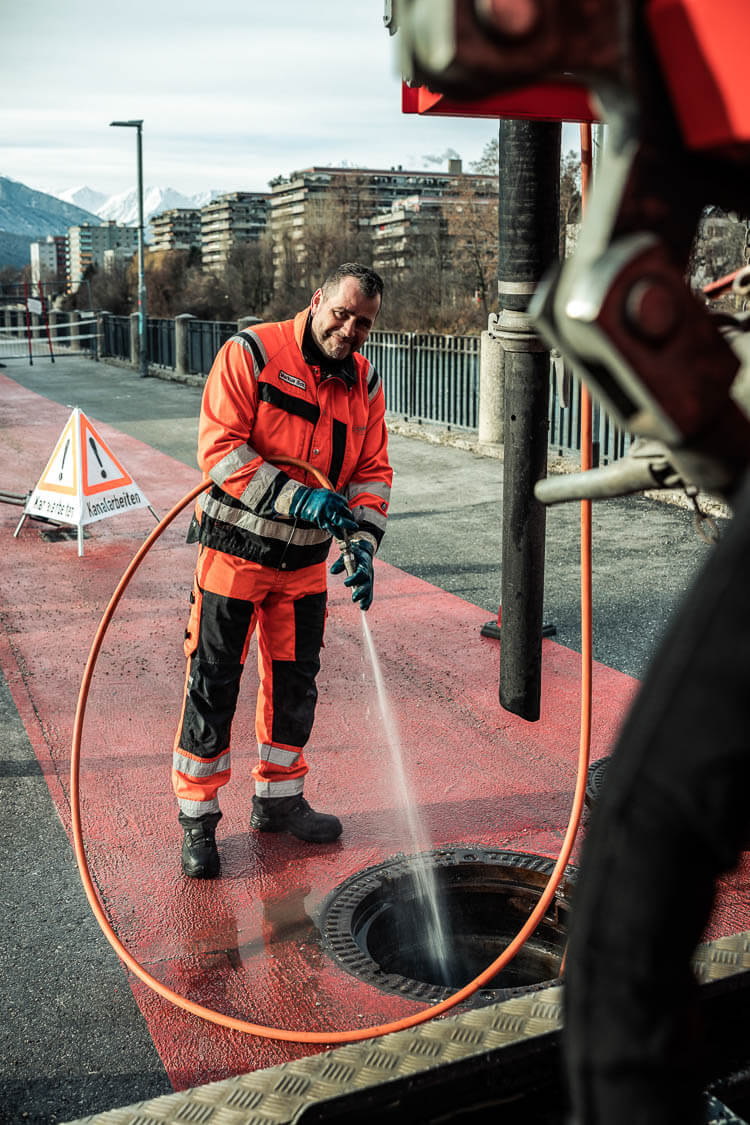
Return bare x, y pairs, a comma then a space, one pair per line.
673, 814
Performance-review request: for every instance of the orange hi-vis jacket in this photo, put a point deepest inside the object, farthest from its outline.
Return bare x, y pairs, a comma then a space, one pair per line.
266, 399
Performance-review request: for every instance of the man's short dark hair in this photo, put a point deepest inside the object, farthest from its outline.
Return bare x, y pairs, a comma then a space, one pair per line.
370, 283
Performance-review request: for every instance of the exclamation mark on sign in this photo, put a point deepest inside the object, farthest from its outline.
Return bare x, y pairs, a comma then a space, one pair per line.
62, 463
92, 443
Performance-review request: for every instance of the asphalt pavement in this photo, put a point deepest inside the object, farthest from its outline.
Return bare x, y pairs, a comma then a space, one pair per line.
73, 1041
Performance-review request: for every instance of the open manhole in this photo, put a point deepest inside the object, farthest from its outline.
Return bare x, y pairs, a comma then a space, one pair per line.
380, 924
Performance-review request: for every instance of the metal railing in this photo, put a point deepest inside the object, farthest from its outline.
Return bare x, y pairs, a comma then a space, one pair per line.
426, 378
609, 441
205, 337
160, 342
116, 336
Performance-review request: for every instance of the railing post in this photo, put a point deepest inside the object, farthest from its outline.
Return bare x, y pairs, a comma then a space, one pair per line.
181, 343
491, 389
75, 331
135, 340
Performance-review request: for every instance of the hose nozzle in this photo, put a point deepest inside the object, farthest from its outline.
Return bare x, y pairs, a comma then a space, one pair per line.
347, 555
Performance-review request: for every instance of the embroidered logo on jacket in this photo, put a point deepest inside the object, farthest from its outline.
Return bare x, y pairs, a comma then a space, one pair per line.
293, 380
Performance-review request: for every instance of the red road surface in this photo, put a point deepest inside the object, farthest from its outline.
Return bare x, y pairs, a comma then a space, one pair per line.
247, 944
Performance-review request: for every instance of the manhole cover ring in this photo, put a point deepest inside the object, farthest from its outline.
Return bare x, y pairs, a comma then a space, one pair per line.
595, 778
518, 877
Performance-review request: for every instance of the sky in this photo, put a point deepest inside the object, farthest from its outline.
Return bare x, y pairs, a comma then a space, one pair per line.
231, 95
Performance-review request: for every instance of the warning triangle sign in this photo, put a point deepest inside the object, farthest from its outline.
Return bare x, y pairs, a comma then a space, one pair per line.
61, 474
83, 481
101, 470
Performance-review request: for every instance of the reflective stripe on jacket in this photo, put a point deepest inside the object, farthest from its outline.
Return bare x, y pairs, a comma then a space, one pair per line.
263, 401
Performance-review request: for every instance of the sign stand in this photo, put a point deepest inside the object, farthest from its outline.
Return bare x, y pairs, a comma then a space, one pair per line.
83, 481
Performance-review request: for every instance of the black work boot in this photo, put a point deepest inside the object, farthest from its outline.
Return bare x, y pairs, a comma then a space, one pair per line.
294, 815
200, 857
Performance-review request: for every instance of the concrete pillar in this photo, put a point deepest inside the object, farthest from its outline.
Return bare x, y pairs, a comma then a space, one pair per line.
101, 324
491, 390
53, 317
181, 350
95, 331
135, 349
75, 330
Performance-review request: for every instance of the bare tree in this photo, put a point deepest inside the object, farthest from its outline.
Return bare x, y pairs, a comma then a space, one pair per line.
472, 226
112, 289
570, 198
248, 276
489, 161
166, 274
720, 246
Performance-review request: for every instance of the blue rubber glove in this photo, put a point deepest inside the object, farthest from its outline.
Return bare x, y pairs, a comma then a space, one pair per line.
362, 578
327, 510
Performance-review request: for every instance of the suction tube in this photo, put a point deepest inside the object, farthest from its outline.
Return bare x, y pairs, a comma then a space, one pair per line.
289, 1035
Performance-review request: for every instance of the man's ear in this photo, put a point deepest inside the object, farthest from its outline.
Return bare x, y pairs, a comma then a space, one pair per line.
317, 297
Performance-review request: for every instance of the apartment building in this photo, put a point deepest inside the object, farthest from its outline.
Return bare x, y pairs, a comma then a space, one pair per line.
239, 216
176, 229
86, 246
48, 259
399, 234
354, 196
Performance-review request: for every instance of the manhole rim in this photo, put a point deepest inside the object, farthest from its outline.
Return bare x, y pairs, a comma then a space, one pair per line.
595, 778
335, 914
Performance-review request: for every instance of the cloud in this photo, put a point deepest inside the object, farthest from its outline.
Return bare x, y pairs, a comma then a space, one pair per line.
230, 101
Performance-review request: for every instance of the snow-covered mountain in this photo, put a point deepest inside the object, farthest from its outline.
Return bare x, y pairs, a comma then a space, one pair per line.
27, 215
34, 213
123, 207
84, 197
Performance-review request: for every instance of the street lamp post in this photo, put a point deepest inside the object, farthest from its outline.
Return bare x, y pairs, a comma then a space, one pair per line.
142, 338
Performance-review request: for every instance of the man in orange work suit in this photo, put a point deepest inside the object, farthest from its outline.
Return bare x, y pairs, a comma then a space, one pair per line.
298, 389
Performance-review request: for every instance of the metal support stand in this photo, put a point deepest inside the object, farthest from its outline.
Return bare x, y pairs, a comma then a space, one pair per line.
493, 629
529, 188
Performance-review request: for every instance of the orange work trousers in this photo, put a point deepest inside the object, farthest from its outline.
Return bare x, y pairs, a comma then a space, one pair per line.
230, 598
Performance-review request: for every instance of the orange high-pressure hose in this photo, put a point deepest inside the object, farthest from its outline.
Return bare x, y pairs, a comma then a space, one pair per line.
293, 1036
586, 463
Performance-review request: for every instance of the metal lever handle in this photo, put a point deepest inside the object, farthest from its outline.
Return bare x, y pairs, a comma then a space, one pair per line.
645, 467
346, 555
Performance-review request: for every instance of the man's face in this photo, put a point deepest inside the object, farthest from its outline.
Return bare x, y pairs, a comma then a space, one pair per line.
341, 321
